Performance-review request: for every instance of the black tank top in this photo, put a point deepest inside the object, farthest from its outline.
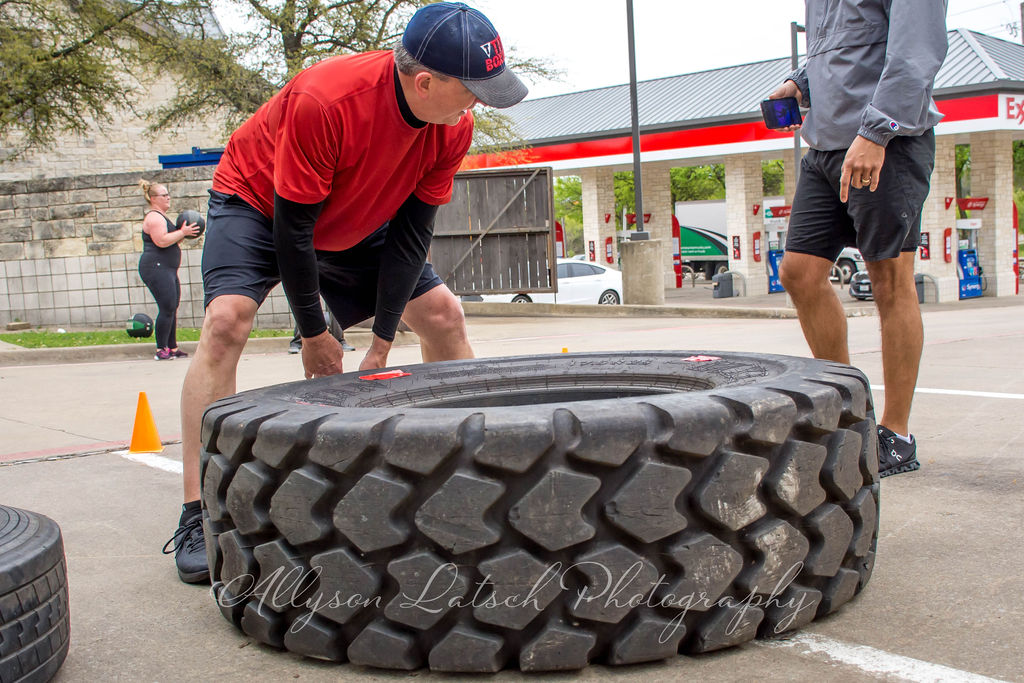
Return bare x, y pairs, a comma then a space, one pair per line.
167, 256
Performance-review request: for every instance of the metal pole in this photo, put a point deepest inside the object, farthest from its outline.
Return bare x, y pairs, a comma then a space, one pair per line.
638, 187
794, 29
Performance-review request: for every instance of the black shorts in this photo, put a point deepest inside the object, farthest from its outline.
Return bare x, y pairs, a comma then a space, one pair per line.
239, 258
881, 224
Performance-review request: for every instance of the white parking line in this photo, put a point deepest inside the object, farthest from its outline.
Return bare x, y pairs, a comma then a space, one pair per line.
153, 460
957, 392
874, 661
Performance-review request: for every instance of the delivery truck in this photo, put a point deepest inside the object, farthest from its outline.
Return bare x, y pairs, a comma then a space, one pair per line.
703, 244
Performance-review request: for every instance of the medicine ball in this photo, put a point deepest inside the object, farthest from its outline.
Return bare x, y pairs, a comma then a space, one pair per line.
140, 325
190, 216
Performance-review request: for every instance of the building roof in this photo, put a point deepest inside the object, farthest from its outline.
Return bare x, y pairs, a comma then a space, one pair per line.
976, 63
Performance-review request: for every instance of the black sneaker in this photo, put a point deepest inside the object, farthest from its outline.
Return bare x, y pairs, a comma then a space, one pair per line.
894, 454
345, 346
189, 547
295, 347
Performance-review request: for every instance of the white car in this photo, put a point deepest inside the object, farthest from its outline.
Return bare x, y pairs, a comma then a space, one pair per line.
579, 282
849, 263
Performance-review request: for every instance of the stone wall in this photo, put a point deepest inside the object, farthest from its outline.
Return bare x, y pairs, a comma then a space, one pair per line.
70, 247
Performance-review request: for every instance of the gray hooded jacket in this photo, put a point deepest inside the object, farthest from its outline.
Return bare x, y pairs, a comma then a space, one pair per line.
870, 69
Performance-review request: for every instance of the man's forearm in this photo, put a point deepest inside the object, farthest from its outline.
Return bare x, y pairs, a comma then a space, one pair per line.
293, 241
401, 263
799, 77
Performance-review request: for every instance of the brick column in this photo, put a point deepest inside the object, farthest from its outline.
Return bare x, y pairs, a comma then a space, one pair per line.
992, 177
657, 181
935, 218
744, 188
598, 186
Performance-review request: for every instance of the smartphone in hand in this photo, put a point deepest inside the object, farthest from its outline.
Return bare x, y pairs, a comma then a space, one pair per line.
781, 113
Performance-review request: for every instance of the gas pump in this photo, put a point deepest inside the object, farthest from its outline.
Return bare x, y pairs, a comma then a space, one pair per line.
775, 236
776, 223
775, 262
968, 268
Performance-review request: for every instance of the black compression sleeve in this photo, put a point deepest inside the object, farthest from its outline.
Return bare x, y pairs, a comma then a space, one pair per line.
296, 259
401, 263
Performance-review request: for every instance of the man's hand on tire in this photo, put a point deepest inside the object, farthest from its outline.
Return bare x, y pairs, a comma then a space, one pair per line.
321, 355
376, 355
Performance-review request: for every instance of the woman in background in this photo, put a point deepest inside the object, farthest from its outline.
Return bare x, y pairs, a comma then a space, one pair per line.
158, 265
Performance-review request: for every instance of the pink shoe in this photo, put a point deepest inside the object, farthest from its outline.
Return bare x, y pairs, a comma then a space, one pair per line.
164, 354
178, 353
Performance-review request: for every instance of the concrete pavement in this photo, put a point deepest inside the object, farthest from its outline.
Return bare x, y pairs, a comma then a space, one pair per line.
944, 603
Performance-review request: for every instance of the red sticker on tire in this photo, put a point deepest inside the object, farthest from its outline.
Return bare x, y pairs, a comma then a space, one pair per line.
390, 374
701, 359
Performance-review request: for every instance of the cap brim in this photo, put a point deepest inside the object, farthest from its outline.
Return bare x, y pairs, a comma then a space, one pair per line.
500, 92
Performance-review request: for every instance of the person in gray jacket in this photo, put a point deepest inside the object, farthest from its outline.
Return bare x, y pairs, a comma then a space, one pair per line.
868, 81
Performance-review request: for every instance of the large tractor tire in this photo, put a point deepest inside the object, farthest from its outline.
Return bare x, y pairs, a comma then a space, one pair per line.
541, 512
34, 622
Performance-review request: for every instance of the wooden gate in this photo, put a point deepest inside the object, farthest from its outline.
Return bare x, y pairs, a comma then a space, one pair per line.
497, 234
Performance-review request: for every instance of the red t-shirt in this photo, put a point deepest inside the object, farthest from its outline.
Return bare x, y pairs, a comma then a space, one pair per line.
335, 132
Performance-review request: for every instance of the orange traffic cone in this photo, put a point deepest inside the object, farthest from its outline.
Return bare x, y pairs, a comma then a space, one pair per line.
144, 436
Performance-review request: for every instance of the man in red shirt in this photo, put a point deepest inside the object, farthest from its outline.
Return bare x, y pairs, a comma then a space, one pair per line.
331, 188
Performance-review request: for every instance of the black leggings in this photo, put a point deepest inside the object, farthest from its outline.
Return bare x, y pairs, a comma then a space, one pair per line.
162, 281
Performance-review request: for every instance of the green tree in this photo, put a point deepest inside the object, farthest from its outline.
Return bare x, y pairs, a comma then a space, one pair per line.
64, 62
963, 175
211, 79
696, 183
568, 192
689, 183
237, 74
67, 63
234, 75
773, 177
1018, 181
625, 199
569, 198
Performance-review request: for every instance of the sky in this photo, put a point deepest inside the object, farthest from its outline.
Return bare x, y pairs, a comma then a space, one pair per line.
587, 39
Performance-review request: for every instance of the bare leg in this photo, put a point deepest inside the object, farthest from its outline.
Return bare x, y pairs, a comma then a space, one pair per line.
211, 374
437, 317
821, 314
892, 282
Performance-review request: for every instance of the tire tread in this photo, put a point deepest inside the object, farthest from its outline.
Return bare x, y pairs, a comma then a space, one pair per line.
720, 491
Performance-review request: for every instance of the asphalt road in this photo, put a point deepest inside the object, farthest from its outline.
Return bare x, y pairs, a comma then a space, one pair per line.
945, 602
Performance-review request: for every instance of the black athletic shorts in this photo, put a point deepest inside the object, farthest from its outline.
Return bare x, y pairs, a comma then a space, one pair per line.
881, 224
239, 258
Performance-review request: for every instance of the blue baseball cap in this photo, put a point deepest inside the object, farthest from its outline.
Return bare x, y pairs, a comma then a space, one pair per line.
456, 40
